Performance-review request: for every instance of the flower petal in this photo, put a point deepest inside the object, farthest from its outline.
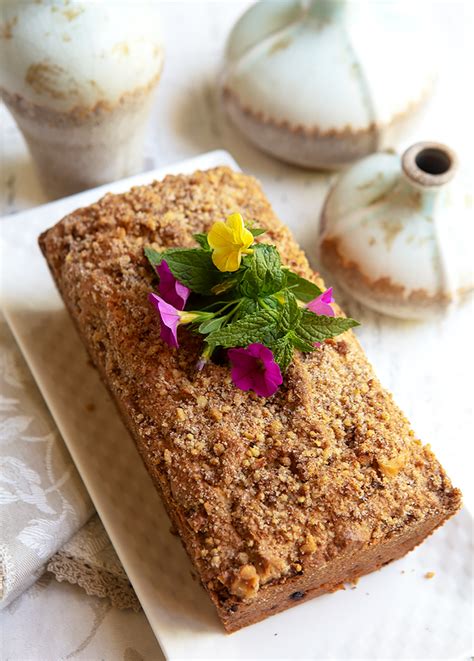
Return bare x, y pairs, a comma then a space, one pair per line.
241, 359
169, 318
243, 382
260, 351
227, 259
220, 236
320, 304
273, 373
327, 296
169, 336
235, 222
241, 235
254, 368
182, 294
263, 386
171, 290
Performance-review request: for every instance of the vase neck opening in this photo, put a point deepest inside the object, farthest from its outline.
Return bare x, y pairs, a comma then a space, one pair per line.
429, 164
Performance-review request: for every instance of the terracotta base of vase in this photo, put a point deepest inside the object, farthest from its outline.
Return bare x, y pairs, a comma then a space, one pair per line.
315, 149
384, 295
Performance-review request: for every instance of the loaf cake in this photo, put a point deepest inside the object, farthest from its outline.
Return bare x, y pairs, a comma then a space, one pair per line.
276, 500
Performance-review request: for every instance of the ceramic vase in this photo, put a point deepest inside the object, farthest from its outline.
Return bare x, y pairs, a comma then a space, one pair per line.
397, 233
322, 83
78, 78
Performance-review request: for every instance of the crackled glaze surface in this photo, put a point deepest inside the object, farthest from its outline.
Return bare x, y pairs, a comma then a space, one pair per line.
69, 55
79, 79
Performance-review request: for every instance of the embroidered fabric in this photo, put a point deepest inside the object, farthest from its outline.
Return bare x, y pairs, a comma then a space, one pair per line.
43, 502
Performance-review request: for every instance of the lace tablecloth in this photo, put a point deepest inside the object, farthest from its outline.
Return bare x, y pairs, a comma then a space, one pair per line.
88, 559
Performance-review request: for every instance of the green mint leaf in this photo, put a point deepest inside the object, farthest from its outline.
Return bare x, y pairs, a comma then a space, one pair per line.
317, 328
229, 281
303, 289
256, 231
153, 256
264, 274
300, 344
253, 305
248, 306
290, 314
283, 352
260, 327
202, 240
194, 268
211, 325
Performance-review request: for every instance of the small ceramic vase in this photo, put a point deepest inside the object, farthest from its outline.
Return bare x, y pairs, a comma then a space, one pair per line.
398, 233
322, 83
78, 78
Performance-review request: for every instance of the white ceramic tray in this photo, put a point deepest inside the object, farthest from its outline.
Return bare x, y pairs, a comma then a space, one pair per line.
395, 613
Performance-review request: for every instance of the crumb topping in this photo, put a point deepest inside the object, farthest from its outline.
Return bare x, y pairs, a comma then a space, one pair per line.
260, 489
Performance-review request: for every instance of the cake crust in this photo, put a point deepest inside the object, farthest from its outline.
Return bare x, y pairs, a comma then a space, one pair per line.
276, 500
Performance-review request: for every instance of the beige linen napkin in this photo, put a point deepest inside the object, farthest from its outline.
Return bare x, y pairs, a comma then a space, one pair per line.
43, 502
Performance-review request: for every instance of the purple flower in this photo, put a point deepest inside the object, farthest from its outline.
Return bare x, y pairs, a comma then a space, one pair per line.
254, 368
321, 304
172, 291
169, 318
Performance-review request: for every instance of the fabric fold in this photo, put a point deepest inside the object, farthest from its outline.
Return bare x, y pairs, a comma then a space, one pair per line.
43, 501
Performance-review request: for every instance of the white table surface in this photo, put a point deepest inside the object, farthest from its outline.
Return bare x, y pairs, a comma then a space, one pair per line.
426, 366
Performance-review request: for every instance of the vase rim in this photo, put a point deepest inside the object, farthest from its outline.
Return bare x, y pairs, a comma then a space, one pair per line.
429, 164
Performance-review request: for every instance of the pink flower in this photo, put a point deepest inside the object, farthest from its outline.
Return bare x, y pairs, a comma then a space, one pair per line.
172, 291
321, 304
169, 319
254, 368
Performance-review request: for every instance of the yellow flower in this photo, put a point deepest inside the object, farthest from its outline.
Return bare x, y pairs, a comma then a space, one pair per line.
229, 241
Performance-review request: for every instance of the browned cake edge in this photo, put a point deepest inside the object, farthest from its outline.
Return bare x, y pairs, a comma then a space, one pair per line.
290, 591
277, 597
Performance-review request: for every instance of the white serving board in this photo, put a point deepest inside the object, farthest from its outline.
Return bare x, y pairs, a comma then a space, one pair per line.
393, 613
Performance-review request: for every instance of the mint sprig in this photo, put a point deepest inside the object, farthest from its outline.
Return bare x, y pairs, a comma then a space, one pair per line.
290, 313
317, 328
263, 275
202, 240
262, 302
154, 257
257, 231
303, 289
283, 349
259, 327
